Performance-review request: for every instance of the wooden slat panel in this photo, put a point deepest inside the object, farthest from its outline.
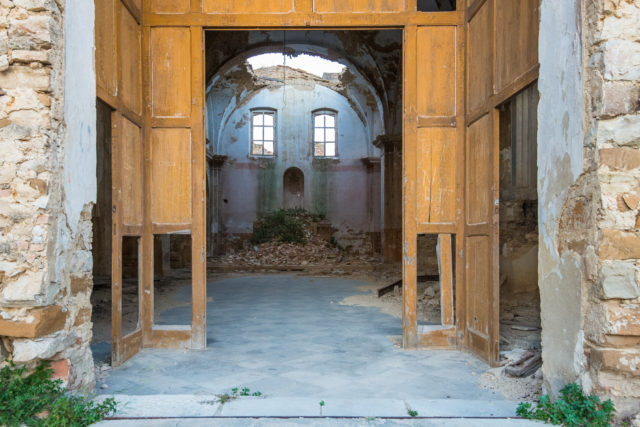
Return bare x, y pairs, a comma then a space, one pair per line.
105, 46
359, 5
129, 60
436, 180
248, 6
171, 72
446, 278
170, 176
479, 65
478, 294
437, 71
132, 173
479, 172
170, 6
516, 39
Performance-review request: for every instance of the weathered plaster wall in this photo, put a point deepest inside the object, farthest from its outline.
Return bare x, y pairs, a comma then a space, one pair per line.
560, 164
47, 158
336, 188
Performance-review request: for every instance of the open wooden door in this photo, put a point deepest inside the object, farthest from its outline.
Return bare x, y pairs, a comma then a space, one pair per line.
432, 170
118, 32
175, 170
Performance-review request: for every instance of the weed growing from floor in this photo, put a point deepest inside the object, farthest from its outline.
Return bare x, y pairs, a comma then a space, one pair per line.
34, 399
238, 392
572, 409
412, 413
283, 225
321, 403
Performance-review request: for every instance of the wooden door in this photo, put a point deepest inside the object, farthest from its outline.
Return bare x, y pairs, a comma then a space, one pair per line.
432, 169
127, 166
119, 85
175, 170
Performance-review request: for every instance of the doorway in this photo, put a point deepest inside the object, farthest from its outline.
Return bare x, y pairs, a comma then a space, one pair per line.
293, 188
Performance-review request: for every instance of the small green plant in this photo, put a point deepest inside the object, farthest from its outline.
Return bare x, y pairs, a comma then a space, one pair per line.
412, 413
283, 225
321, 403
237, 392
34, 399
572, 409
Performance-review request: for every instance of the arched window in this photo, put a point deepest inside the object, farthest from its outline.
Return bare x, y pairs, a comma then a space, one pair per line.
263, 132
325, 133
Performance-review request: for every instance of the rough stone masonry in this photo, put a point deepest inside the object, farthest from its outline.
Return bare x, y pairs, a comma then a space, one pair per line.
45, 253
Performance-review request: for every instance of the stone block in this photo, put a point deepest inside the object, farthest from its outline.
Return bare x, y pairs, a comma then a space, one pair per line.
622, 318
33, 33
60, 370
621, 60
619, 245
26, 350
80, 284
36, 5
27, 56
43, 321
618, 280
25, 77
619, 98
622, 130
617, 360
4, 63
620, 159
25, 290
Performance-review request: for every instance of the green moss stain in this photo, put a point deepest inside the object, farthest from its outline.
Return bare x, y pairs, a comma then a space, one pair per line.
320, 191
267, 188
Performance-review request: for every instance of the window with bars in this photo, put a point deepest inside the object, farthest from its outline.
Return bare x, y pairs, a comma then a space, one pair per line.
263, 130
324, 134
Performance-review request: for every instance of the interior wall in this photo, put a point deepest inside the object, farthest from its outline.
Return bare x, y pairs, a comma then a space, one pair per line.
101, 218
518, 193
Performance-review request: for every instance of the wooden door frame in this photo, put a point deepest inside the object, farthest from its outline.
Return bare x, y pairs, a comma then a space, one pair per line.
407, 21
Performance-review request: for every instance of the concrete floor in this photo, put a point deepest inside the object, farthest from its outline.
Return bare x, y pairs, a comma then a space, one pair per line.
289, 338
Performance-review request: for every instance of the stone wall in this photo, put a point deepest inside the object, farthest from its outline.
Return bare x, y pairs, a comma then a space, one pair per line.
46, 190
612, 156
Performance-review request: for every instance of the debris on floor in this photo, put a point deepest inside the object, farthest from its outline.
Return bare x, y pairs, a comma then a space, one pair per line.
315, 247
391, 302
519, 377
520, 321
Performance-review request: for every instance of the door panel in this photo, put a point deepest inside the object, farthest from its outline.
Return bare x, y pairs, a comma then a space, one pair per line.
175, 171
431, 165
171, 72
248, 6
130, 65
126, 167
171, 176
170, 6
359, 5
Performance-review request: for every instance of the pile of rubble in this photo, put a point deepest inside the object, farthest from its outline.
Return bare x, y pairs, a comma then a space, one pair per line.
319, 249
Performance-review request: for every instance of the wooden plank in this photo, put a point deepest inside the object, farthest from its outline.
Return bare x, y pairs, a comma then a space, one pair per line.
105, 39
135, 8
131, 173
494, 235
436, 175
170, 6
296, 20
446, 279
303, 5
129, 61
440, 338
516, 39
409, 234
479, 172
199, 199
147, 237
170, 72
117, 104
336, 6
437, 122
474, 7
248, 6
435, 228
171, 228
478, 258
437, 71
170, 337
170, 176
116, 243
131, 344
479, 59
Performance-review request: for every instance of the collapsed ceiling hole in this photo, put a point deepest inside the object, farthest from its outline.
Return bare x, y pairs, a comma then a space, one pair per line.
311, 64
